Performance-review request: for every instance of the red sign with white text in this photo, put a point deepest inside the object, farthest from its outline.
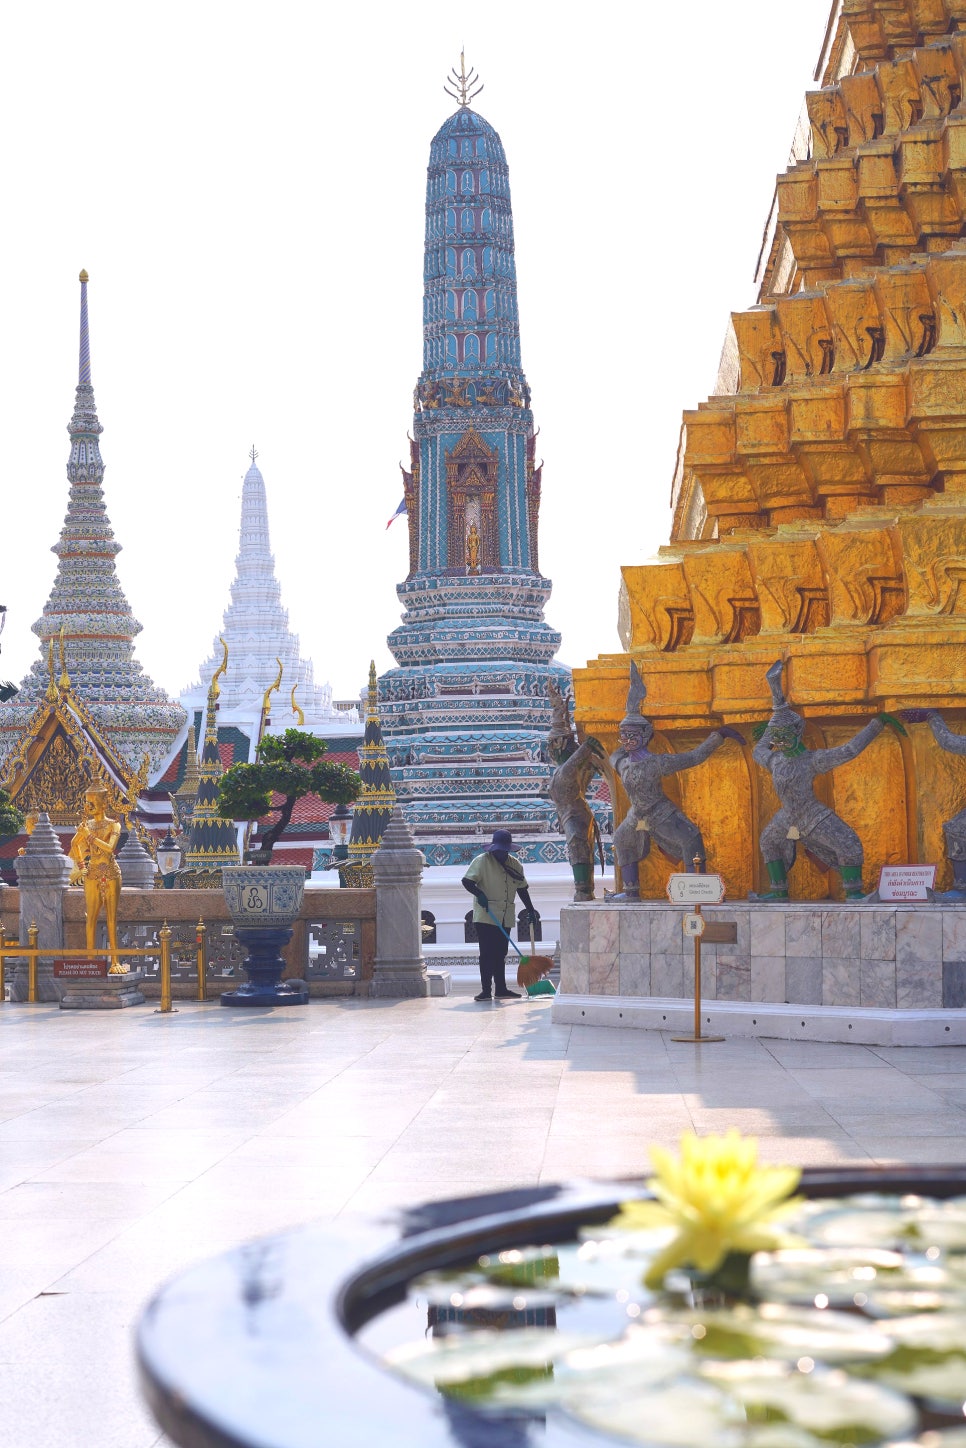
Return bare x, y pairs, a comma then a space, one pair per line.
83, 969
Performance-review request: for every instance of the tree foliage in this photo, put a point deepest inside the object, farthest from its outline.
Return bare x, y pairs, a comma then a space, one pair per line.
11, 819
291, 765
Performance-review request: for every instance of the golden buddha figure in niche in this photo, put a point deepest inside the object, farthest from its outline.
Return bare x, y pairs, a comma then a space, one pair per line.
473, 549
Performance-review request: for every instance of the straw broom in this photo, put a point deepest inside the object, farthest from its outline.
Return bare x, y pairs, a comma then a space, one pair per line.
532, 967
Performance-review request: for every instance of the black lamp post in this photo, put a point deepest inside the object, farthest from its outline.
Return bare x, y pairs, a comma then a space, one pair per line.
340, 828
169, 858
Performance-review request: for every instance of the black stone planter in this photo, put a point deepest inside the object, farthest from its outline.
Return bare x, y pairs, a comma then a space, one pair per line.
255, 1350
264, 968
263, 901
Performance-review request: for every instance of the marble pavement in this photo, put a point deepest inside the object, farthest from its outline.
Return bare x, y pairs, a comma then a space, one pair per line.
133, 1143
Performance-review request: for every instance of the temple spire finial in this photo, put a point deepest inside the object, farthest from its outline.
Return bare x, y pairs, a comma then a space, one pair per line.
253, 454
84, 361
460, 86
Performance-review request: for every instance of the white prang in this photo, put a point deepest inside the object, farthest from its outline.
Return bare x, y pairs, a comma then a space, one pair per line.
256, 631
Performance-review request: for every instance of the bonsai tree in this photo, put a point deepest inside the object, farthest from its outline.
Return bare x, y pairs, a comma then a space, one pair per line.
291, 765
11, 819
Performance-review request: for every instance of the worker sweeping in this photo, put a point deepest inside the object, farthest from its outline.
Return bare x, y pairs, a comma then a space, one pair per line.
494, 879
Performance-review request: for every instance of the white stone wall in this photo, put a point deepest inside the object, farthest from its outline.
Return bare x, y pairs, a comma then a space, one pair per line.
871, 955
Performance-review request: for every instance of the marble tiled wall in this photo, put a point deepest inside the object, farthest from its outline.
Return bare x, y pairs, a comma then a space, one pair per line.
863, 955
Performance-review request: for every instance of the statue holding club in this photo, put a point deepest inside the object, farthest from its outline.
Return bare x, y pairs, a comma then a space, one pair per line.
803, 818
576, 765
652, 817
954, 829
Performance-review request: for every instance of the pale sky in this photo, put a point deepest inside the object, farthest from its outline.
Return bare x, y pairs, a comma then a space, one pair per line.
244, 182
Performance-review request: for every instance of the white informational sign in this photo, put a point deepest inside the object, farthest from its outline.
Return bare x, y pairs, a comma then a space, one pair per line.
693, 925
906, 882
695, 889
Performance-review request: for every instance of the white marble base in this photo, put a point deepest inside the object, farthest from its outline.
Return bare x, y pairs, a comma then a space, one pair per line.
862, 1027
891, 957
861, 961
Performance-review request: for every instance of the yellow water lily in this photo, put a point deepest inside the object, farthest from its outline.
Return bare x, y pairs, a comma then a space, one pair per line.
718, 1199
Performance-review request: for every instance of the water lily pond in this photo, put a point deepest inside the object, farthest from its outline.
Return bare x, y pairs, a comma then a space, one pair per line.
854, 1336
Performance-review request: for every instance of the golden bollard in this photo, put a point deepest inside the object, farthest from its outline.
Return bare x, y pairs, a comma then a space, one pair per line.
33, 932
164, 935
201, 931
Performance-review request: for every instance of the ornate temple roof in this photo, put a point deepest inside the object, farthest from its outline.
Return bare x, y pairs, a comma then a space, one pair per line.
62, 753
255, 627
87, 611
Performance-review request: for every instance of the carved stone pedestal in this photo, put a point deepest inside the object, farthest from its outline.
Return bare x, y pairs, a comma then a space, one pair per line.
264, 967
108, 993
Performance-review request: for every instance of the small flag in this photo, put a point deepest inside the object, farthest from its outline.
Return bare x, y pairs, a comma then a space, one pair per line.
400, 509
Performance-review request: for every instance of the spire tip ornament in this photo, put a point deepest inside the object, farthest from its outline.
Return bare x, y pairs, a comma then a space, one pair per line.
459, 85
83, 276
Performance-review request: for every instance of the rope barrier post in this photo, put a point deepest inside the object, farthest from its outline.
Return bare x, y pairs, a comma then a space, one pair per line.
697, 1037
201, 931
33, 935
699, 870
3, 977
164, 935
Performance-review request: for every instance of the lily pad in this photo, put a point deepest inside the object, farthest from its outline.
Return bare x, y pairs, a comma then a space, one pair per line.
898, 1222
823, 1276
835, 1406
929, 1358
775, 1331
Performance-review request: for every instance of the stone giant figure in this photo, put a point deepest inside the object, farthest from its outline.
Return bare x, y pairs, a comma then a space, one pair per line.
954, 829
803, 817
652, 817
576, 765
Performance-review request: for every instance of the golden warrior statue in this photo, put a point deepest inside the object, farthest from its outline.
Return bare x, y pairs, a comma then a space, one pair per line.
95, 867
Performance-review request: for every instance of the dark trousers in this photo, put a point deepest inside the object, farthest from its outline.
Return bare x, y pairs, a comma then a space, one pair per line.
493, 949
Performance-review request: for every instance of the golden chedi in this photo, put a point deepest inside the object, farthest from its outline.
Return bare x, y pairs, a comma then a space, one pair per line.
820, 504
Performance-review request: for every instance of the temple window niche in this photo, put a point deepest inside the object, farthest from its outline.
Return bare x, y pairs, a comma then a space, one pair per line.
467, 183
472, 471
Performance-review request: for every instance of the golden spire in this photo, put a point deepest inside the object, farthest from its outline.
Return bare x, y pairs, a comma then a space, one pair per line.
459, 85
266, 702
299, 714
272, 688
221, 669
64, 677
52, 695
